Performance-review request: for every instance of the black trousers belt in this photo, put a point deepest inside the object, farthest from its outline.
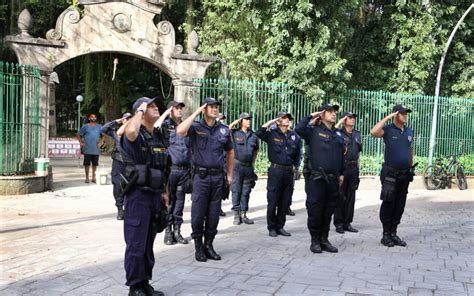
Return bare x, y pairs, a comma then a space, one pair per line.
245, 164
179, 168
279, 166
395, 172
217, 171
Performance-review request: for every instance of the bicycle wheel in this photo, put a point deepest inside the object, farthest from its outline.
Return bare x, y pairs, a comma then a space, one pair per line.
461, 178
433, 177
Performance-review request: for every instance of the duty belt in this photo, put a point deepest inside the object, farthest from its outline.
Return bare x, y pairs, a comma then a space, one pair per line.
395, 172
245, 164
351, 163
209, 171
179, 168
279, 166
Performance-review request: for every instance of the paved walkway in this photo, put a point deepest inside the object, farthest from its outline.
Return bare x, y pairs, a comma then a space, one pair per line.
67, 242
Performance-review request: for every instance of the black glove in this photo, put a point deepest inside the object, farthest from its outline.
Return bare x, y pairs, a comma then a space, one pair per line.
225, 189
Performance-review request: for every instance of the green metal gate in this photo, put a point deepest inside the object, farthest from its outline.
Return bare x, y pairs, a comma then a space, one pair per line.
19, 118
455, 132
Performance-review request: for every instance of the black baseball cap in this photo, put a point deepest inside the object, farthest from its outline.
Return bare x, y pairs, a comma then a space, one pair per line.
140, 101
245, 115
401, 109
283, 114
175, 104
211, 101
326, 107
349, 114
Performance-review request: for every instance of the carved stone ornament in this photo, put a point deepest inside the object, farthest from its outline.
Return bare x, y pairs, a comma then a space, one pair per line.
193, 42
70, 14
178, 48
24, 22
122, 22
165, 27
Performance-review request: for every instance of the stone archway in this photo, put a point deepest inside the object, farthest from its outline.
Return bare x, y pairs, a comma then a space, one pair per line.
123, 26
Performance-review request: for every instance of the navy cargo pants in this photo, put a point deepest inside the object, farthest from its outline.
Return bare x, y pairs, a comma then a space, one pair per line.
176, 183
280, 187
206, 205
242, 181
391, 211
344, 213
117, 169
139, 230
321, 201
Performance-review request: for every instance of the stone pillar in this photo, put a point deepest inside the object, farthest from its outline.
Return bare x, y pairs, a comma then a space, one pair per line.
43, 133
183, 92
52, 109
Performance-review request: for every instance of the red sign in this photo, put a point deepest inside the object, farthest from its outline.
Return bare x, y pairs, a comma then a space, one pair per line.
64, 147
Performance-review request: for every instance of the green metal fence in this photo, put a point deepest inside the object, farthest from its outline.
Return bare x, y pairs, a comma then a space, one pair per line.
455, 132
19, 118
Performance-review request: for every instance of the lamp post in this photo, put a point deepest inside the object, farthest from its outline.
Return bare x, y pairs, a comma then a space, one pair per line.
79, 99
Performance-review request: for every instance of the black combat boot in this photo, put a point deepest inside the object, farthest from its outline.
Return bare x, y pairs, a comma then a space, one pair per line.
169, 237
150, 291
199, 255
326, 245
209, 249
119, 213
237, 220
386, 237
177, 235
397, 241
137, 290
245, 219
316, 245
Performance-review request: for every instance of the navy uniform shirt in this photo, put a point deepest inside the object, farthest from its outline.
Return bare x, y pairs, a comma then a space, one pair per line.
326, 146
397, 146
283, 149
245, 145
352, 144
208, 144
179, 146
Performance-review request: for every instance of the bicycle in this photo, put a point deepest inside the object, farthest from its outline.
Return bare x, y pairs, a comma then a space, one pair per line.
439, 175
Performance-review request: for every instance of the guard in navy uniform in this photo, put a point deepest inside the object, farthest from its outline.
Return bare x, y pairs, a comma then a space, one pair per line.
180, 172
114, 129
146, 167
326, 160
284, 154
296, 172
344, 213
208, 140
246, 148
397, 171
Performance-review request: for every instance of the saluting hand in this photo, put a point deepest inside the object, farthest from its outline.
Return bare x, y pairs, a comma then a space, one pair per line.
142, 107
317, 114
392, 115
201, 109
